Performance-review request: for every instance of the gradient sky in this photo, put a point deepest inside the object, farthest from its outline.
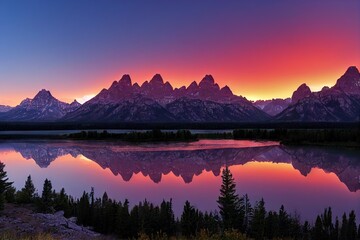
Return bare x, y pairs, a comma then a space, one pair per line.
261, 49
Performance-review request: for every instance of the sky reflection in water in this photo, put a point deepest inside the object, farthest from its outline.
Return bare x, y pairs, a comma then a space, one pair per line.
304, 179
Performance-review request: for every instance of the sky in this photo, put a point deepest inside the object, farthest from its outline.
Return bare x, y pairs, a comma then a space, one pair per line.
261, 49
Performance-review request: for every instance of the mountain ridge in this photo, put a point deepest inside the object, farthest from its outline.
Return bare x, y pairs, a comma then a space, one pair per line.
156, 100
340, 102
43, 107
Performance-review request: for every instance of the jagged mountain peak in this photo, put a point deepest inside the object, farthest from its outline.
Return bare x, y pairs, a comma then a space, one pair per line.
43, 94
349, 82
352, 71
144, 84
303, 86
75, 102
325, 88
26, 101
207, 80
157, 79
43, 107
125, 80
301, 92
168, 86
193, 85
226, 90
5, 108
113, 85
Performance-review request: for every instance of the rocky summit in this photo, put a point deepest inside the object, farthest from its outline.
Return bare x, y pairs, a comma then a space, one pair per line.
336, 104
157, 101
4, 108
273, 106
43, 107
302, 92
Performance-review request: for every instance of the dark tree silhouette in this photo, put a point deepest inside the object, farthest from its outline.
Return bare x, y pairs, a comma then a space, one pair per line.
352, 228
47, 198
326, 219
26, 195
228, 200
318, 232
246, 211
4, 185
344, 227
83, 210
258, 222
188, 218
122, 220
10, 194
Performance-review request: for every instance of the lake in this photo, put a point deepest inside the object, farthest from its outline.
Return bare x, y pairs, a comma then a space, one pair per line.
304, 179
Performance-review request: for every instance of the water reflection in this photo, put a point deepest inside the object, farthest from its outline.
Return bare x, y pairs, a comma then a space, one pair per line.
187, 160
304, 179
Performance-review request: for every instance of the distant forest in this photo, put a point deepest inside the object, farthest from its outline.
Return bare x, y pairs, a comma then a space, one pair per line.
348, 137
236, 217
32, 126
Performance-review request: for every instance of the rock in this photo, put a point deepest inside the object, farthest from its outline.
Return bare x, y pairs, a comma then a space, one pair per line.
22, 220
302, 92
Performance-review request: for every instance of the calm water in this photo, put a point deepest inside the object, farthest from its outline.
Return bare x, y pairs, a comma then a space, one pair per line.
304, 179
63, 132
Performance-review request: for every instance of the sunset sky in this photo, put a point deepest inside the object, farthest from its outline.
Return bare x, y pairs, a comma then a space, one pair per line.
261, 49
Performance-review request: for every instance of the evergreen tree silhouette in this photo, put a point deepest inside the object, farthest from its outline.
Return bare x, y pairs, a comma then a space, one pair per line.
4, 185
228, 200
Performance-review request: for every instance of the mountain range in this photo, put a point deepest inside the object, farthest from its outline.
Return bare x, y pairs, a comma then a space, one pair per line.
5, 108
43, 107
157, 101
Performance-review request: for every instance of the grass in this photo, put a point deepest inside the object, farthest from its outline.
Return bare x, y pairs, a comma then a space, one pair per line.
38, 236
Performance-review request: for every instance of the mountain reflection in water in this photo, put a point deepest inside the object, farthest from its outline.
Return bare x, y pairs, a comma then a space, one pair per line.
304, 179
156, 160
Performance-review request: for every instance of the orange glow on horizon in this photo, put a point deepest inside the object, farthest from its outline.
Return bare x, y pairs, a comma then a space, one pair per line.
267, 84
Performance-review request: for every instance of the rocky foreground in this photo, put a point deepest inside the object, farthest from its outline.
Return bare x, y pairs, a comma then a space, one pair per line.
23, 221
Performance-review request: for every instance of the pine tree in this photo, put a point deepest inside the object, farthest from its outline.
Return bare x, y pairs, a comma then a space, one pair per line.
123, 221
328, 226
284, 222
306, 231
10, 194
26, 195
352, 228
247, 211
83, 210
344, 227
4, 185
228, 201
318, 232
166, 218
258, 222
188, 227
335, 233
61, 202
47, 197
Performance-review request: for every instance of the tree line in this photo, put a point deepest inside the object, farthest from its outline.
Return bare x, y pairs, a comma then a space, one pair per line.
236, 217
342, 136
136, 136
